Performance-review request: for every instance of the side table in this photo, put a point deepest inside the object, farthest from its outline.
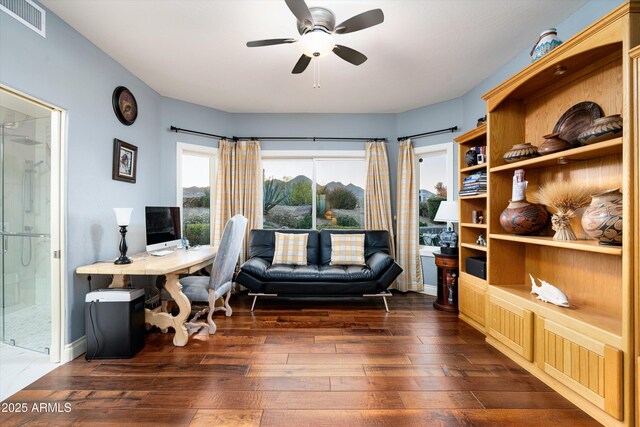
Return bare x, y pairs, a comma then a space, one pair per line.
447, 296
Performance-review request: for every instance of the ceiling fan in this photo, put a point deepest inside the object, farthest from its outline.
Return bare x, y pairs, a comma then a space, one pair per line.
316, 26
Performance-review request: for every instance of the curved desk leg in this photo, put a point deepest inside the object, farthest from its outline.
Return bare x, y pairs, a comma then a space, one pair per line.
166, 320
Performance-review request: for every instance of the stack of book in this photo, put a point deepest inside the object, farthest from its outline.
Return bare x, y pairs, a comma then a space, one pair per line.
474, 184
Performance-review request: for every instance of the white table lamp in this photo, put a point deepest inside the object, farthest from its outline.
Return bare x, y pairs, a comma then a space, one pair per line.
448, 212
123, 218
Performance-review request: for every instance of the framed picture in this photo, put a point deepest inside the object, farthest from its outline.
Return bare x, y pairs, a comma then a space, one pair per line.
125, 161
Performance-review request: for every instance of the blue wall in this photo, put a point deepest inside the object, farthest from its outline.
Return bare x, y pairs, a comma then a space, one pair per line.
68, 71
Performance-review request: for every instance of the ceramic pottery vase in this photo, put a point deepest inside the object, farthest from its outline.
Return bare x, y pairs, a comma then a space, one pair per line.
520, 152
603, 218
553, 144
471, 158
523, 217
602, 129
546, 43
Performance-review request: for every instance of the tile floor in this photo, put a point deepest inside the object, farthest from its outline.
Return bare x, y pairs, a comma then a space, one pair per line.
20, 367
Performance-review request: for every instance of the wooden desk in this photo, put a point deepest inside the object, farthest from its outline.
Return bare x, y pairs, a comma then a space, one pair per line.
171, 266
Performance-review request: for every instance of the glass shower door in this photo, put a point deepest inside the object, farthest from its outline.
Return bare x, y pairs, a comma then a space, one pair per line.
25, 223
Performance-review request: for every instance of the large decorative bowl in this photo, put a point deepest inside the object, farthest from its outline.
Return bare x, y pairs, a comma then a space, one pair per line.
523, 217
602, 129
520, 152
552, 144
603, 218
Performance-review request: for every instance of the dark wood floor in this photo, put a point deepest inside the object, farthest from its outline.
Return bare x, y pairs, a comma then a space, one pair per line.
307, 363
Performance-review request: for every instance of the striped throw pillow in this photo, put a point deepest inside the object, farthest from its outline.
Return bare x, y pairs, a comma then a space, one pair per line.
291, 249
347, 249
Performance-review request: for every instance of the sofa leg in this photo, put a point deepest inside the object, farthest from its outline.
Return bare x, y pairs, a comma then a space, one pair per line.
384, 296
259, 294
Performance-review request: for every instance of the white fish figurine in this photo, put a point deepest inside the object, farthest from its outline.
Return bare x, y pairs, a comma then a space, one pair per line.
549, 293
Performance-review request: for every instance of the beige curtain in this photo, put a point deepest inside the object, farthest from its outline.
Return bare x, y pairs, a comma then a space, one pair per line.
378, 192
407, 251
238, 187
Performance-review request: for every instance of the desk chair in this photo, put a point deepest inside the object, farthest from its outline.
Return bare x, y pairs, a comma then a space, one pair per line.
203, 289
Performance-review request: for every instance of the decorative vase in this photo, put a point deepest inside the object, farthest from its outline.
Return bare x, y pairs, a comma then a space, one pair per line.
603, 218
471, 158
520, 152
523, 217
552, 144
602, 129
546, 43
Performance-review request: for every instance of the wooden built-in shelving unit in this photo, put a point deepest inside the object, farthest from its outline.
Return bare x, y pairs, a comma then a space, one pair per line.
589, 351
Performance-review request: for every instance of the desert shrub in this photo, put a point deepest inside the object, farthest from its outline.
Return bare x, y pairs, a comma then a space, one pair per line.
300, 194
305, 222
198, 234
274, 194
433, 204
341, 198
197, 219
347, 221
283, 219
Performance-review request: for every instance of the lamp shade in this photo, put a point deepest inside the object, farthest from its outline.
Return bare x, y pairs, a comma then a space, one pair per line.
316, 43
123, 216
447, 211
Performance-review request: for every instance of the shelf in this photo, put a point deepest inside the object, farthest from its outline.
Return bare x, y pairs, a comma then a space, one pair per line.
477, 196
593, 151
472, 135
470, 278
472, 225
474, 246
473, 168
578, 245
611, 323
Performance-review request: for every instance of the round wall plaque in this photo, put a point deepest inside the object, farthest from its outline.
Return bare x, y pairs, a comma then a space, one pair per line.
125, 105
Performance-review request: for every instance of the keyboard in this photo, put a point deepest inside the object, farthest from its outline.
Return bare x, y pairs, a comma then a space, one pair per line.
162, 252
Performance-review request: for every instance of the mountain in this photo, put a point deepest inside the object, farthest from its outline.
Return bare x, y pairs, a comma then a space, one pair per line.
357, 191
299, 178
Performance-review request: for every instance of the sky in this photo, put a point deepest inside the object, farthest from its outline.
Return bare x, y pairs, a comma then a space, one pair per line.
345, 171
432, 170
195, 171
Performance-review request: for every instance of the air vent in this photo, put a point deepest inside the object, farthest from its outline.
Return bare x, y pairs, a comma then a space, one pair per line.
27, 12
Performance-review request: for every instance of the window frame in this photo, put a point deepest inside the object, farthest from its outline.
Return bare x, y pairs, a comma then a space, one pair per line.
211, 153
433, 151
316, 155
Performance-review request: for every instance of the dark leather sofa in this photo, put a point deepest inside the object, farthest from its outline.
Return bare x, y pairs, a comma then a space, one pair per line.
318, 277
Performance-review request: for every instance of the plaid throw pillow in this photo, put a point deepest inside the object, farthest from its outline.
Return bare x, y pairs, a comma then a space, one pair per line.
291, 249
347, 249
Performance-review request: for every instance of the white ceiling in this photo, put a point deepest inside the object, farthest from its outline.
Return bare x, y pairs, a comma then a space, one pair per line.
425, 52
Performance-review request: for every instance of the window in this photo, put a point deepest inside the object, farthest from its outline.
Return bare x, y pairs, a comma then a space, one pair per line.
435, 177
196, 175
305, 190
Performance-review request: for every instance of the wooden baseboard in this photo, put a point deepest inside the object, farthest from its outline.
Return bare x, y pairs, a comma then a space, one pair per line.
74, 349
469, 321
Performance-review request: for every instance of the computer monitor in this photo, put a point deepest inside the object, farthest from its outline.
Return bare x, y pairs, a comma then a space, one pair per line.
163, 227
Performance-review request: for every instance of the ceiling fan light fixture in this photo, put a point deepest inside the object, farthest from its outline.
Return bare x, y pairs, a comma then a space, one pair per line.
316, 43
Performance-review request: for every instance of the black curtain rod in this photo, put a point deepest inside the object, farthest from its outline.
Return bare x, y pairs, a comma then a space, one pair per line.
433, 132
274, 138
195, 132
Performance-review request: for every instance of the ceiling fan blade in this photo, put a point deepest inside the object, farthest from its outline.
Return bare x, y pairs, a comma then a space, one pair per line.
269, 42
349, 55
301, 11
360, 22
301, 65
